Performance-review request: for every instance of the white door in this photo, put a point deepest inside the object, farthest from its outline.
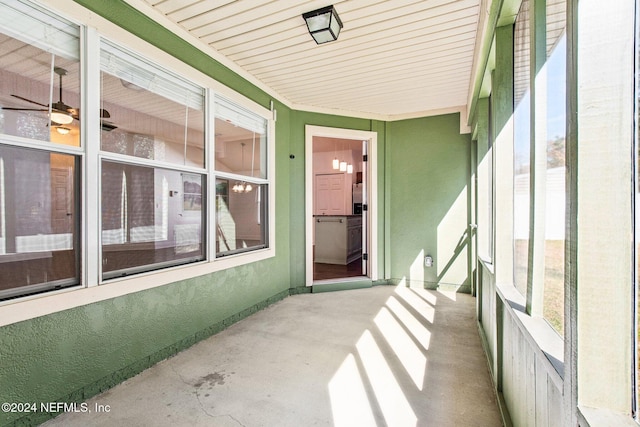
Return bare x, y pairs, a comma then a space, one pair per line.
329, 194
365, 211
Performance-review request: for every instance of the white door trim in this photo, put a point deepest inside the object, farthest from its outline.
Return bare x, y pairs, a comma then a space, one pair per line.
372, 189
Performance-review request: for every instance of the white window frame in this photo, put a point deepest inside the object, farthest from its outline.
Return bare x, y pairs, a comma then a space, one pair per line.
176, 83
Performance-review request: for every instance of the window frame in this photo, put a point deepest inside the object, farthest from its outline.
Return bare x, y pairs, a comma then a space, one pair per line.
238, 177
63, 46
133, 59
39, 289
526, 104
92, 288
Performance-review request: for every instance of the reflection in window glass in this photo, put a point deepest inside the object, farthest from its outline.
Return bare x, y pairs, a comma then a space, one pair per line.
148, 113
151, 218
241, 217
241, 141
241, 185
38, 221
522, 146
39, 75
555, 72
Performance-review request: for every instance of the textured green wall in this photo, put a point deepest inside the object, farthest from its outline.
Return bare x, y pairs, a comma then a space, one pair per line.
428, 173
74, 354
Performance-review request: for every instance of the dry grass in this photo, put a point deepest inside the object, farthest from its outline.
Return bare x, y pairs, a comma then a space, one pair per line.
553, 298
553, 293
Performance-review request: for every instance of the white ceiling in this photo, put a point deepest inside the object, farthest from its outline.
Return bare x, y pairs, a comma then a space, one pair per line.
393, 59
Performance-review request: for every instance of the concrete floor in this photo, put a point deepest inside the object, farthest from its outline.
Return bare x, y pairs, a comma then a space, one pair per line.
383, 356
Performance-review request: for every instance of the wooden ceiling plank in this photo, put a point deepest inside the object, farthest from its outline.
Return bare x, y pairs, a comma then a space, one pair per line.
427, 68
426, 26
437, 76
373, 62
297, 57
287, 21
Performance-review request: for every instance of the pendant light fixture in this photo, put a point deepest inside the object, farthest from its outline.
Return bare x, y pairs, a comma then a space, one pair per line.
336, 162
243, 186
248, 187
239, 187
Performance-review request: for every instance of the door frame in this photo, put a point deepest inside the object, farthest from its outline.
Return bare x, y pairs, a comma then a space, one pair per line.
372, 195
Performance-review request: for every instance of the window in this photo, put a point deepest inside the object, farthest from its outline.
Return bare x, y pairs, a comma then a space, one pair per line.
153, 193
241, 179
490, 187
39, 75
554, 72
149, 113
522, 147
39, 158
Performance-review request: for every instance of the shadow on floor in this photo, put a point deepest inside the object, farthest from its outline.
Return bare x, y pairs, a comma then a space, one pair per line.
382, 356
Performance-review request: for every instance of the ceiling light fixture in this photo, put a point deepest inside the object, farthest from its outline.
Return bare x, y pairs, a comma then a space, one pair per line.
61, 118
324, 24
63, 130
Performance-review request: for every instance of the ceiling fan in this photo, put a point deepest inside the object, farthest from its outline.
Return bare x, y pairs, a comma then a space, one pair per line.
61, 113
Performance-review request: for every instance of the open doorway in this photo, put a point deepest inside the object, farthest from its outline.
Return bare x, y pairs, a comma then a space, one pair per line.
338, 213
338, 170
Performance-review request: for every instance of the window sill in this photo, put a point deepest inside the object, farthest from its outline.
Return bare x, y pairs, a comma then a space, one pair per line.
536, 330
487, 264
597, 417
31, 307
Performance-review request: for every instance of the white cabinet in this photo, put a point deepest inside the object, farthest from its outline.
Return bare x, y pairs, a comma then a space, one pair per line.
338, 239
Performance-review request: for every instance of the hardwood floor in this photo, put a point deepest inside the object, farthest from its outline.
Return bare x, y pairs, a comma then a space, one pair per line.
337, 271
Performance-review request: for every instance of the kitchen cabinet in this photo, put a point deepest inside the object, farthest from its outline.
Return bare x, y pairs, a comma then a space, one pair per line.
338, 238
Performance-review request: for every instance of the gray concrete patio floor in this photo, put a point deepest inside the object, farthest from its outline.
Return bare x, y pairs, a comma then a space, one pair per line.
383, 356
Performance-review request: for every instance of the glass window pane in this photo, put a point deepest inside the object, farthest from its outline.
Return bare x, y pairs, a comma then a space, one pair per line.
241, 141
38, 221
148, 113
241, 216
522, 146
555, 72
489, 185
151, 218
39, 75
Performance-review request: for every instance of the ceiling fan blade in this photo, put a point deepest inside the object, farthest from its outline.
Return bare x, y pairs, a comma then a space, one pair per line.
23, 109
107, 126
28, 100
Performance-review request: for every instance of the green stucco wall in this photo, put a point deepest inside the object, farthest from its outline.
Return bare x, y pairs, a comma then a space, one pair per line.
74, 354
422, 171
428, 173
